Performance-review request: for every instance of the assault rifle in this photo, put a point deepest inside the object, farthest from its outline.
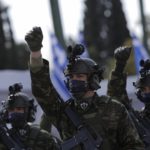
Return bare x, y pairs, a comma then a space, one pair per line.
7, 139
85, 136
144, 133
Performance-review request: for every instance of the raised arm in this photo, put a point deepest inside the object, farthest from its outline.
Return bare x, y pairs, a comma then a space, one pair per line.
117, 82
42, 87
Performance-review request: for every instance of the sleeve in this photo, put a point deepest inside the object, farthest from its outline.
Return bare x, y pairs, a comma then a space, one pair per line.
127, 134
117, 88
43, 89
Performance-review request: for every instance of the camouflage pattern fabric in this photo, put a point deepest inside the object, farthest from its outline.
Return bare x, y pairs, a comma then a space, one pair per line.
34, 139
117, 88
107, 117
2, 147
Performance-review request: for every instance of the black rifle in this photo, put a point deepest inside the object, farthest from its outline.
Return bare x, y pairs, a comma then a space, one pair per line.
85, 137
144, 133
7, 139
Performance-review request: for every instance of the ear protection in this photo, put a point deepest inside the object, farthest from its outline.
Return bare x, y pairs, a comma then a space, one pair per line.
96, 77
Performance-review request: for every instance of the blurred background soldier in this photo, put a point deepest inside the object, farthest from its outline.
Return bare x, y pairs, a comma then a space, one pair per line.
17, 132
117, 89
106, 117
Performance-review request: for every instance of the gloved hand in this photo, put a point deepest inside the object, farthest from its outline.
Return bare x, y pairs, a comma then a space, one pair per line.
121, 55
34, 39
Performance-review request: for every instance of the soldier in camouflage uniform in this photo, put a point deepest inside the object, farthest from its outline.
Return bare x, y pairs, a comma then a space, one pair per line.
117, 89
19, 111
105, 115
117, 83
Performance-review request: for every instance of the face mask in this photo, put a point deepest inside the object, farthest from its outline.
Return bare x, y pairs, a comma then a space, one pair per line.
17, 119
143, 97
77, 87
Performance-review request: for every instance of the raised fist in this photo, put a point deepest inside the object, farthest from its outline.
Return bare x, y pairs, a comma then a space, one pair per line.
34, 39
122, 54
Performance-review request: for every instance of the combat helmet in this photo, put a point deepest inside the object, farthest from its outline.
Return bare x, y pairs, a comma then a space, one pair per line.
16, 98
78, 65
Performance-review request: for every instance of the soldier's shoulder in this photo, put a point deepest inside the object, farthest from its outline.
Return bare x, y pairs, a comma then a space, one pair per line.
110, 101
42, 137
35, 128
106, 99
36, 131
103, 99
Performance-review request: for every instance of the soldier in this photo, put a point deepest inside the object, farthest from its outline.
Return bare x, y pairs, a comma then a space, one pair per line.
19, 111
117, 89
106, 116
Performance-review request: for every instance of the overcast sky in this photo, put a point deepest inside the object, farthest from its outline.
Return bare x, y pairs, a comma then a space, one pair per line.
28, 13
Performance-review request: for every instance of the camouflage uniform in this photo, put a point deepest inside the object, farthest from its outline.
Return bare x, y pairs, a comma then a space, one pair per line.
33, 139
117, 90
117, 83
108, 117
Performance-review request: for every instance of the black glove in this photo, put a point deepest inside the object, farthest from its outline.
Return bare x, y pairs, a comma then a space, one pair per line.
121, 55
34, 39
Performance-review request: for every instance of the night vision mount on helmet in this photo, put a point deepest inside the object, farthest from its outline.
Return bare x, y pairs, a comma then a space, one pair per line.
78, 65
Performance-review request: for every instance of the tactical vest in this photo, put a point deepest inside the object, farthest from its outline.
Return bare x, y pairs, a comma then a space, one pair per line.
92, 118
